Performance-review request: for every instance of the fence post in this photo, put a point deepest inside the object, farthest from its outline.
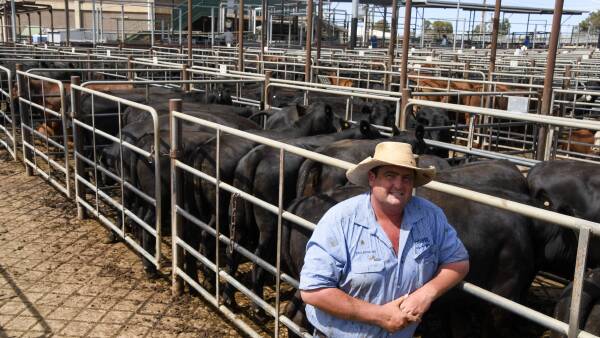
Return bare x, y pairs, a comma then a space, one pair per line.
266, 99
77, 146
185, 76
176, 196
582, 250
26, 136
130, 66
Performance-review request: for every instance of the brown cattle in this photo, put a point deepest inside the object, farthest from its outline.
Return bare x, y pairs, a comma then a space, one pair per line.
337, 81
583, 141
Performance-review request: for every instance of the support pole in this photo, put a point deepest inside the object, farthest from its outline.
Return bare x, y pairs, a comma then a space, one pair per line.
5, 22
123, 23
13, 14
40, 25
241, 36
78, 144
404, 70
52, 24
482, 30
212, 27
384, 24
549, 77
354, 24
492, 67
309, 15
189, 35
392, 46
94, 24
263, 30
319, 21
176, 193
29, 28
456, 25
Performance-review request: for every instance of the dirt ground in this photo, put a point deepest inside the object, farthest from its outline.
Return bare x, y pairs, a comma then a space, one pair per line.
59, 279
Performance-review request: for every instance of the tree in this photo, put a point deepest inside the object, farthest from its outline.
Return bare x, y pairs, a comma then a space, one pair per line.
379, 26
441, 28
504, 27
591, 22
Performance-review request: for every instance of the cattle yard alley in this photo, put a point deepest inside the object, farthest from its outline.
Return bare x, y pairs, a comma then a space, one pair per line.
58, 278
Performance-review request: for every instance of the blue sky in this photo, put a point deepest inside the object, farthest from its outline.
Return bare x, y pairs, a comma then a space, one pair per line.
518, 21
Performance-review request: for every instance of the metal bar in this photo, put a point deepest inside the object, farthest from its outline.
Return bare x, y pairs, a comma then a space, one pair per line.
549, 77
309, 28
582, 251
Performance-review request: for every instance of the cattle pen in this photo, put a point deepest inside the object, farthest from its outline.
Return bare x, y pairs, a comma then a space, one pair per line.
168, 186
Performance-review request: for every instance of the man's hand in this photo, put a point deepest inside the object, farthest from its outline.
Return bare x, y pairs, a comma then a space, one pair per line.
417, 303
392, 319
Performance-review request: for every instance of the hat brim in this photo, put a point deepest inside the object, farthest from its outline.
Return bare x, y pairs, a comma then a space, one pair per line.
359, 174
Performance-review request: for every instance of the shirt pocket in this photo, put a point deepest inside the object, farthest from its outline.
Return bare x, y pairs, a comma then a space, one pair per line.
426, 261
367, 275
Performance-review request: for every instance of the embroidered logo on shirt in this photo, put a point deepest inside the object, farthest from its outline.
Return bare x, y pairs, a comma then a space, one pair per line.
422, 244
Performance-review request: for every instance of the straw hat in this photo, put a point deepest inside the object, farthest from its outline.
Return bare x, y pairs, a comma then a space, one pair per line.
390, 153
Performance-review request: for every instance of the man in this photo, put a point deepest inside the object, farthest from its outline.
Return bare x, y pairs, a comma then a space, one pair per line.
377, 261
444, 40
228, 38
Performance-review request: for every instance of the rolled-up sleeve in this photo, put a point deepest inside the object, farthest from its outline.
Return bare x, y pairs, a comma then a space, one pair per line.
326, 255
451, 247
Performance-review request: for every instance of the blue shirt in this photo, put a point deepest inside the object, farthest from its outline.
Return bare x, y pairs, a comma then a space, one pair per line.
349, 250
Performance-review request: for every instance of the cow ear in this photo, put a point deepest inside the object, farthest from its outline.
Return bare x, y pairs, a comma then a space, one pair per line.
300, 109
395, 130
364, 126
329, 111
420, 132
366, 110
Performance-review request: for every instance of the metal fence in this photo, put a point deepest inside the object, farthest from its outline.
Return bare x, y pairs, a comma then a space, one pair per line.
8, 122
111, 200
179, 167
42, 107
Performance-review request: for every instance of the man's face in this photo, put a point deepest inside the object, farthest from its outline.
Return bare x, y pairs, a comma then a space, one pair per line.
392, 186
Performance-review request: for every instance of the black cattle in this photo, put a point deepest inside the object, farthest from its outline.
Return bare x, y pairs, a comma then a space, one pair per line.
498, 242
255, 174
315, 177
571, 188
139, 171
425, 161
202, 195
589, 313
295, 237
432, 119
280, 118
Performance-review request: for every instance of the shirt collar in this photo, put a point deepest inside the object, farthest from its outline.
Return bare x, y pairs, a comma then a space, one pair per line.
365, 216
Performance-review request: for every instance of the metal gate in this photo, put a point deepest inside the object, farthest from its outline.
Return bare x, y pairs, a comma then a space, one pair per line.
42, 106
8, 133
107, 191
222, 240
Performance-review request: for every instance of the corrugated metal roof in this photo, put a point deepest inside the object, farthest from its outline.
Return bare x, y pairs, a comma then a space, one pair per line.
472, 6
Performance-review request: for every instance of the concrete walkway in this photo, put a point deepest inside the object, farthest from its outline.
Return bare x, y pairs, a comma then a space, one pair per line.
58, 278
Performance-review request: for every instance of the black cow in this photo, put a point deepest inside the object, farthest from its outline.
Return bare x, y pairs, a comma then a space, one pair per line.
139, 171
589, 313
256, 174
201, 195
315, 177
498, 242
432, 119
571, 188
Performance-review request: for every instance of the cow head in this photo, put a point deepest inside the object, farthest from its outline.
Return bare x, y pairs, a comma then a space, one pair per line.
596, 146
368, 131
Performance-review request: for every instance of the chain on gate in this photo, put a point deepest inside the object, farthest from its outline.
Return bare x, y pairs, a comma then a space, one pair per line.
233, 222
